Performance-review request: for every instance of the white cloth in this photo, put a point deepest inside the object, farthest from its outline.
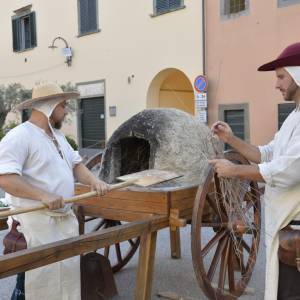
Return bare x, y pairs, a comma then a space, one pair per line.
280, 168
29, 152
295, 73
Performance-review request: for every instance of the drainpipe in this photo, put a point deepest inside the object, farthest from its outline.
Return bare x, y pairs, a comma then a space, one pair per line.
204, 37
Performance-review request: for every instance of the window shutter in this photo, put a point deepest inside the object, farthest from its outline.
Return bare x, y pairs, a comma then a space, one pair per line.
83, 8
284, 109
32, 29
88, 15
16, 24
174, 3
162, 6
92, 17
236, 120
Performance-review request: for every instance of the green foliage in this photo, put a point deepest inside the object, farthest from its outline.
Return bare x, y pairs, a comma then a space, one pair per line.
7, 128
10, 96
72, 142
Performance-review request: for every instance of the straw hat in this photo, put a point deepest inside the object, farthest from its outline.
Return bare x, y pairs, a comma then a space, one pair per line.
46, 91
289, 57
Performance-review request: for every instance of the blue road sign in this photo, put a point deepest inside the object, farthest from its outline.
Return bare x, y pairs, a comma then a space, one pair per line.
200, 84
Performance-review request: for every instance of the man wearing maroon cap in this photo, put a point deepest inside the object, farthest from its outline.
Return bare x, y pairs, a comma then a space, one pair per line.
278, 165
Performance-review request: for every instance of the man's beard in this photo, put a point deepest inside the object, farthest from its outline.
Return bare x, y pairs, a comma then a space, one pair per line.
291, 92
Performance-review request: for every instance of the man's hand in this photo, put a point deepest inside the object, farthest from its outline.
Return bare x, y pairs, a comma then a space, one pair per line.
223, 167
222, 130
53, 201
99, 186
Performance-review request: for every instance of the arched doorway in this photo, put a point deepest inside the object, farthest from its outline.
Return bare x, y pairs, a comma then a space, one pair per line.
171, 88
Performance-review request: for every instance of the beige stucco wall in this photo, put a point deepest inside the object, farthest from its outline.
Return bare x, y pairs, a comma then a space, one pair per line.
235, 48
130, 42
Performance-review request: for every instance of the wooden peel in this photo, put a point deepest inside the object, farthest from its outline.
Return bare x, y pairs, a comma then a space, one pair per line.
19, 211
143, 178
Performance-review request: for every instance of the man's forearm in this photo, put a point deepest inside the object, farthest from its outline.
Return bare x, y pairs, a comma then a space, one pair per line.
17, 186
249, 151
83, 174
247, 172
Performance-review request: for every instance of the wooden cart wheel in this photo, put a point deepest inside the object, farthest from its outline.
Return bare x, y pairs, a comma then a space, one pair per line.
224, 239
119, 254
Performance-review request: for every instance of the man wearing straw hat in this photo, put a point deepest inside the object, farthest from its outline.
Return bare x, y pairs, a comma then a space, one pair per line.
38, 165
278, 165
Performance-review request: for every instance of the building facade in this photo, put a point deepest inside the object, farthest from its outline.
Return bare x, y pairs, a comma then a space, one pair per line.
123, 56
241, 35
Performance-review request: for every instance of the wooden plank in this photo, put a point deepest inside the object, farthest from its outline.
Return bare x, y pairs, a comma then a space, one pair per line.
183, 193
136, 205
29, 259
183, 203
186, 213
125, 193
114, 214
146, 266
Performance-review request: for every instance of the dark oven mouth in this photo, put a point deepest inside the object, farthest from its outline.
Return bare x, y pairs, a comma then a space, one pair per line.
134, 155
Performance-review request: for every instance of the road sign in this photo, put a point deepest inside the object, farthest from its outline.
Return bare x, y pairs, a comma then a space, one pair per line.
200, 84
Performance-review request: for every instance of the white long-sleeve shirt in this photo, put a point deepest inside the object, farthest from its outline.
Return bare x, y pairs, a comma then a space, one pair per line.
280, 159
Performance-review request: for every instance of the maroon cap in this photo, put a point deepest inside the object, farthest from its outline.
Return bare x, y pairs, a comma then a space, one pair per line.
288, 58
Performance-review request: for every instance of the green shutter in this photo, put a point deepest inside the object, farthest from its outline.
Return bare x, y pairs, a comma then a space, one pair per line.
16, 23
33, 29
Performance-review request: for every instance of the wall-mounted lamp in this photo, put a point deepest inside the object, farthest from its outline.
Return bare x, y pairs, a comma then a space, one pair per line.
67, 51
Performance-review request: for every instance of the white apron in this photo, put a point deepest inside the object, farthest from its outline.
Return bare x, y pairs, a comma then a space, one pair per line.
57, 281
280, 168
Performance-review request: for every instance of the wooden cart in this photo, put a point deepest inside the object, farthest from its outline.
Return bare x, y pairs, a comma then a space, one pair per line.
224, 248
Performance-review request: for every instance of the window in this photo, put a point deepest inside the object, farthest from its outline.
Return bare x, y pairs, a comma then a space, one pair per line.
234, 8
163, 6
237, 116
282, 3
24, 31
284, 109
88, 16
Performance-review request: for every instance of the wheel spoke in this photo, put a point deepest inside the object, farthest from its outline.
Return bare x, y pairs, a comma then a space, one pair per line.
131, 242
99, 225
118, 251
214, 206
223, 267
239, 256
231, 282
216, 258
212, 242
245, 245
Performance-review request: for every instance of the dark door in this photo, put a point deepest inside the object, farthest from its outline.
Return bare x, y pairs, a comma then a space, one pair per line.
92, 122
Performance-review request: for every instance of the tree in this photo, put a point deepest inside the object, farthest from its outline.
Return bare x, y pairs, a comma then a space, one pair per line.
10, 96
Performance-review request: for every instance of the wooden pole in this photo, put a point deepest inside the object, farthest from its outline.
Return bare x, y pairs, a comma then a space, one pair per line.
146, 266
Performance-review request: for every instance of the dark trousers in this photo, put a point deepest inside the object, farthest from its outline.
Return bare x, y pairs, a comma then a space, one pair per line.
19, 291
288, 283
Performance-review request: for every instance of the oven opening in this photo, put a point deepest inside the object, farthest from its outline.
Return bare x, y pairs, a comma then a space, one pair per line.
135, 155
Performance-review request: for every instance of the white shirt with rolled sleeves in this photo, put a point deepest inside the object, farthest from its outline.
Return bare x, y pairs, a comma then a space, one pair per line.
29, 152
280, 168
